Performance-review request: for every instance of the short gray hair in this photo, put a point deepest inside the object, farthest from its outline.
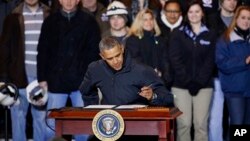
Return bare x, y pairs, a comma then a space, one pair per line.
108, 43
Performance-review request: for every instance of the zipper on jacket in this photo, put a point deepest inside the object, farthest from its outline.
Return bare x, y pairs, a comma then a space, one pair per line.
193, 59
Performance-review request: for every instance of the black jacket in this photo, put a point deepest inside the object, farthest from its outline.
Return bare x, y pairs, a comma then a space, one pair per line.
150, 50
165, 30
192, 58
215, 22
66, 48
123, 86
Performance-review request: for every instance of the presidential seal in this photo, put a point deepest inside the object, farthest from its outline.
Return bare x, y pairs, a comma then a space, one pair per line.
108, 125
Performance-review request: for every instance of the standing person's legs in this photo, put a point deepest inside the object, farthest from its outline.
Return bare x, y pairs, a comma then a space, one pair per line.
38, 117
183, 101
201, 106
225, 121
216, 113
236, 109
18, 117
55, 100
39, 126
247, 112
76, 100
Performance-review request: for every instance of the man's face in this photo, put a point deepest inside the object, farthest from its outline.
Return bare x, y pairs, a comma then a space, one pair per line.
229, 5
89, 3
31, 3
172, 12
113, 57
69, 5
117, 22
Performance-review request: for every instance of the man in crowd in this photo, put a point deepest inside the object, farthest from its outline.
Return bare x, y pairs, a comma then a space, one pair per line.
98, 10
21, 31
118, 16
68, 43
122, 80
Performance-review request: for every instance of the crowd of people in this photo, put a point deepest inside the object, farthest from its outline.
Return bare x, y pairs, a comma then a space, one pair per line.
192, 54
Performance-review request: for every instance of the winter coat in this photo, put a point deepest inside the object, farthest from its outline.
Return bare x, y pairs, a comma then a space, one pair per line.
234, 73
123, 86
66, 48
192, 58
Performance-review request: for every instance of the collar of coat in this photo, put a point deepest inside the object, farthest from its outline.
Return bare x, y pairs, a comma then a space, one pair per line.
169, 25
189, 32
235, 37
126, 66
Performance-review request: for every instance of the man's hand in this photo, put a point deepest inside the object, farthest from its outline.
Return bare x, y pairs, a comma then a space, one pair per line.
248, 60
146, 92
43, 85
40, 102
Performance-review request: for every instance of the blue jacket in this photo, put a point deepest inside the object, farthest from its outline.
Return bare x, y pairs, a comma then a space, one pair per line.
123, 86
234, 73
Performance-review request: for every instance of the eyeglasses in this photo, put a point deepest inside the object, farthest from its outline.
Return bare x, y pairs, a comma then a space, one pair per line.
172, 11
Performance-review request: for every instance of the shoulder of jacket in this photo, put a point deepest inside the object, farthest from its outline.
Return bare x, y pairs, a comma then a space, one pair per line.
19, 8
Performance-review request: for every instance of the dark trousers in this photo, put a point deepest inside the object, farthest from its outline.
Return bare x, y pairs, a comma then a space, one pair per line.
239, 110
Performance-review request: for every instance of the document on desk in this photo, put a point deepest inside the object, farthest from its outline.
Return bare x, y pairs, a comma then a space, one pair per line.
133, 106
99, 106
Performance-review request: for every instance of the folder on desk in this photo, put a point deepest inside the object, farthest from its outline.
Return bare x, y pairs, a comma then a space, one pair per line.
133, 106
99, 106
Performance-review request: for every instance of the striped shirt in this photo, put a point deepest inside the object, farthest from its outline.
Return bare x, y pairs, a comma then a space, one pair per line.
32, 25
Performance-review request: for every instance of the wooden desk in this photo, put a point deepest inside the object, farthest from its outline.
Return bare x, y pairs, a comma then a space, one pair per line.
146, 121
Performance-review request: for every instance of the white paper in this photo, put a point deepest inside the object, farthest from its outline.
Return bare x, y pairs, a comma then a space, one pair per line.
99, 106
134, 106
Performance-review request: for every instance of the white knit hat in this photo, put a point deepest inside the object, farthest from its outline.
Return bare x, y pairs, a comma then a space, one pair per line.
116, 8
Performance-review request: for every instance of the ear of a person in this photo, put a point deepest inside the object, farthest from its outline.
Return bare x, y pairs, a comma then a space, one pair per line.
101, 56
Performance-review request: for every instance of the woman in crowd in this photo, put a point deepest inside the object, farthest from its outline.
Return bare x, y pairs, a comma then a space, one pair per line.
233, 61
191, 54
145, 43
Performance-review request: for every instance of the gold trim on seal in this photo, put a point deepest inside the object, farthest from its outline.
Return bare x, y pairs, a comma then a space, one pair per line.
108, 120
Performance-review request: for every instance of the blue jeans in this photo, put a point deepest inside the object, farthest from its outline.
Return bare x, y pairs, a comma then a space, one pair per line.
18, 118
239, 110
58, 100
216, 113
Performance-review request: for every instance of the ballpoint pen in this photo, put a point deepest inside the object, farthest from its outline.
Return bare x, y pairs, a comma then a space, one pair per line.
150, 85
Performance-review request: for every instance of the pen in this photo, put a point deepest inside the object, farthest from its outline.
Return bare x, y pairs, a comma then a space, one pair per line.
150, 85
